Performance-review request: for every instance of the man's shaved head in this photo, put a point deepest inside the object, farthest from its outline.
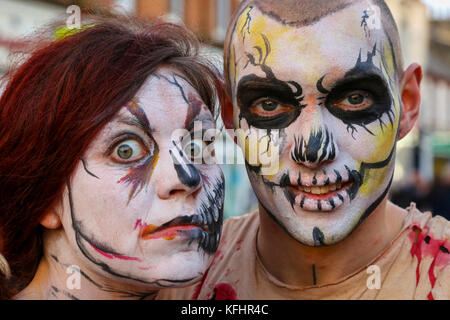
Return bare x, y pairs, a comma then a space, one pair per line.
301, 13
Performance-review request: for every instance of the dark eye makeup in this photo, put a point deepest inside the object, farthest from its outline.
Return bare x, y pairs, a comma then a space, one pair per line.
372, 88
253, 91
122, 137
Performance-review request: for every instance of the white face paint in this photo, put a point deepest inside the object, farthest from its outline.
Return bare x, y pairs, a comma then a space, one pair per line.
331, 90
130, 211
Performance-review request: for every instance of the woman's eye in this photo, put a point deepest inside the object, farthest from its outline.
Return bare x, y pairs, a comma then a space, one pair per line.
129, 151
268, 108
355, 101
194, 149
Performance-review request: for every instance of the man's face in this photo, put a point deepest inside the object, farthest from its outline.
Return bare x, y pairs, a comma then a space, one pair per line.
136, 209
325, 96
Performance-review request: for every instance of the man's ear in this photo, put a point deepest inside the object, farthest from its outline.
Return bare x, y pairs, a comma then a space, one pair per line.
227, 112
50, 220
410, 94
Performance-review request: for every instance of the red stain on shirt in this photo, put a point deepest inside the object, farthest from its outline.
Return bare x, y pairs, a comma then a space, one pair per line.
223, 291
424, 245
416, 236
239, 244
199, 286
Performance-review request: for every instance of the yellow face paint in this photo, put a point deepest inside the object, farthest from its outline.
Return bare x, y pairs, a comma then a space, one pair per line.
337, 153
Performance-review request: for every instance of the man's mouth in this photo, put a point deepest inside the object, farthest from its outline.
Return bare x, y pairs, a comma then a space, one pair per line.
320, 192
324, 195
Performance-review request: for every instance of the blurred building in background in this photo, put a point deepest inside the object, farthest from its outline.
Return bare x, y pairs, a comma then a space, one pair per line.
423, 157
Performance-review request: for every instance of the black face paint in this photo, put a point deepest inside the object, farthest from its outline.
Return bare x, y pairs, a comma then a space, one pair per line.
338, 176
251, 88
86, 169
246, 27
81, 239
318, 237
319, 147
285, 180
187, 173
364, 23
209, 215
320, 86
366, 77
107, 288
314, 274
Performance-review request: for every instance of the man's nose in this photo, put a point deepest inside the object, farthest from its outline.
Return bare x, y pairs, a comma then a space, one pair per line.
314, 150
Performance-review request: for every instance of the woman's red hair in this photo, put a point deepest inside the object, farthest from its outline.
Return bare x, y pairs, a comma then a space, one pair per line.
57, 102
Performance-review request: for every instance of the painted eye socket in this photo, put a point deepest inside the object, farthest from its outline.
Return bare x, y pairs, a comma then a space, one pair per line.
268, 108
357, 100
194, 149
129, 151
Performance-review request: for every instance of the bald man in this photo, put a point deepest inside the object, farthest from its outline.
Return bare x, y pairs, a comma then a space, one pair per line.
322, 83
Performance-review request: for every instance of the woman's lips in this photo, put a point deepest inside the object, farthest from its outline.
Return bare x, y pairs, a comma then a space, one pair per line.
173, 228
151, 231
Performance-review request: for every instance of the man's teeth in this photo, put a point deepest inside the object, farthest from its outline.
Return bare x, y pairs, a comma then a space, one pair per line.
322, 189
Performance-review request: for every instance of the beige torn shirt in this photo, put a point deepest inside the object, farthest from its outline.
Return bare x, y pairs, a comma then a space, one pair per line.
415, 266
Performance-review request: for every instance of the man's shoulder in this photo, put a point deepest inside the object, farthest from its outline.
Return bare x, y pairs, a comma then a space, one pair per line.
429, 236
436, 226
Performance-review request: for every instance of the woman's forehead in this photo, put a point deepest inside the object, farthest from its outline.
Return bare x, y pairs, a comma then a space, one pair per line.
168, 99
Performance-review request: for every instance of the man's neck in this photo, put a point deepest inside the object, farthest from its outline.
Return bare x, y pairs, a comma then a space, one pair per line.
62, 275
296, 264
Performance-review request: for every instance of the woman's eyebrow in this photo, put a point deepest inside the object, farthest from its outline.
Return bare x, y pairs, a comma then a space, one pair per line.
139, 118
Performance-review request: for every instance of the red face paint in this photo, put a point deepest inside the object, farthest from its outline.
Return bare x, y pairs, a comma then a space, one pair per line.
113, 255
167, 233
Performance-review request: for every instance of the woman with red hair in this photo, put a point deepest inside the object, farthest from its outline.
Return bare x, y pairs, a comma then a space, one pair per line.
99, 196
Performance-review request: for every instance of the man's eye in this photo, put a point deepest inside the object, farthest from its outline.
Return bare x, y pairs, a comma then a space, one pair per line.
268, 108
129, 151
355, 101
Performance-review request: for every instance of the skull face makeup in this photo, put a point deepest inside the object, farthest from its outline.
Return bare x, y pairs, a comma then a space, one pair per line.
326, 94
131, 211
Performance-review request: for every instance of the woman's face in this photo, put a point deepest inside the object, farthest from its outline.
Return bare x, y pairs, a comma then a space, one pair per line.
136, 208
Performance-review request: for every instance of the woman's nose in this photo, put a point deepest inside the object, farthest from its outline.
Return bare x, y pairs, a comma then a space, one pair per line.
180, 177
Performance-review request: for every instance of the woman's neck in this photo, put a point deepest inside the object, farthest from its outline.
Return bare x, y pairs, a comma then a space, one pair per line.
62, 275
300, 265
